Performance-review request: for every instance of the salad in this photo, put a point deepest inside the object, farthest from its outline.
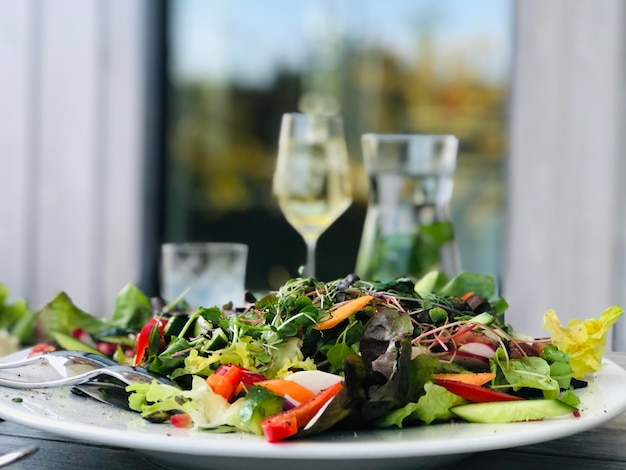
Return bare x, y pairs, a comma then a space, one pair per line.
349, 353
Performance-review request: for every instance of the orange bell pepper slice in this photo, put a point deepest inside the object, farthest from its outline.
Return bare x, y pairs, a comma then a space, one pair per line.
343, 312
225, 382
478, 378
288, 388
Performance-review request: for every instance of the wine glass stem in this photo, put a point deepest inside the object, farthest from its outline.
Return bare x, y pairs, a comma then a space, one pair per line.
310, 258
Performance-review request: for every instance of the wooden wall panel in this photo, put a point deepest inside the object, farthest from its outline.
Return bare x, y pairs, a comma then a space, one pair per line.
69, 151
123, 146
75, 133
17, 123
564, 208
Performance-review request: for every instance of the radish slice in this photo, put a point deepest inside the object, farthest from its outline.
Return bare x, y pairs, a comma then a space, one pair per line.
478, 349
318, 415
471, 355
314, 380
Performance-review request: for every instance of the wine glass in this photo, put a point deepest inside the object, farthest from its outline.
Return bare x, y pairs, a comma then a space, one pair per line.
311, 181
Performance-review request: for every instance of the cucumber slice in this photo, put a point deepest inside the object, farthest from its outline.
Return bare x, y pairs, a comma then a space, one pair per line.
218, 340
201, 326
511, 411
175, 325
483, 318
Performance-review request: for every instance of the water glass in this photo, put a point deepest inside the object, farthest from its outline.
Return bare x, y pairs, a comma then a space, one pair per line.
213, 274
408, 230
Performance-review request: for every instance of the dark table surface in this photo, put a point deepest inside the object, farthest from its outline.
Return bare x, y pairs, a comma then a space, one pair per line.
603, 448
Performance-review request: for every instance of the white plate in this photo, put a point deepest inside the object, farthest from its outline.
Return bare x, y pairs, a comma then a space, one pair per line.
60, 412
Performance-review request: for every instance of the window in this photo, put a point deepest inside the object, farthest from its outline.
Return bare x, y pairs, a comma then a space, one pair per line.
397, 66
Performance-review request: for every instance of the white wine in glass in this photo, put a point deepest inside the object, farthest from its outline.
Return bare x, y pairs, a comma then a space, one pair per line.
312, 180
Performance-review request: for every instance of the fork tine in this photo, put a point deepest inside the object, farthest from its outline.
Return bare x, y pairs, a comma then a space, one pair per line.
75, 379
21, 362
97, 360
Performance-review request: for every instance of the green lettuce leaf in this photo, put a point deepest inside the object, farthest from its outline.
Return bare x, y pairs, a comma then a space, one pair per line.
528, 372
434, 405
570, 398
275, 362
560, 367
286, 357
206, 408
479, 284
63, 316
17, 318
132, 308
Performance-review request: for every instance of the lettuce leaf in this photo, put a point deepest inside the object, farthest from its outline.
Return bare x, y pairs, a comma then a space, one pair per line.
132, 308
286, 357
16, 318
528, 372
434, 405
10, 313
60, 314
464, 282
206, 408
560, 365
585, 341
281, 360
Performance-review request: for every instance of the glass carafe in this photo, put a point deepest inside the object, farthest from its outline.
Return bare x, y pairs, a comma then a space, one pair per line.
408, 230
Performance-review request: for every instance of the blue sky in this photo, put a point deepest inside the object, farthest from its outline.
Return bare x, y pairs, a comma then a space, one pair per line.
246, 38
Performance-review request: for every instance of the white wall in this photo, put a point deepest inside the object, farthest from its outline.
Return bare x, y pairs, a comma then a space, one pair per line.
566, 230
71, 148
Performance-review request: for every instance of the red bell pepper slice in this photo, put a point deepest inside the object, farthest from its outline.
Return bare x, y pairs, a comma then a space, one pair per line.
474, 393
249, 377
40, 348
248, 380
279, 430
181, 420
143, 338
289, 422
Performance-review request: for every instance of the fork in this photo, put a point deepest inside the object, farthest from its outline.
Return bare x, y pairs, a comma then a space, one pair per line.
61, 359
10, 457
104, 392
125, 374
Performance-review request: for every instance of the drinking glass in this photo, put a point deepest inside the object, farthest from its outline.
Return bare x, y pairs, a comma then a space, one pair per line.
211, 274
311, 181
408, 230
